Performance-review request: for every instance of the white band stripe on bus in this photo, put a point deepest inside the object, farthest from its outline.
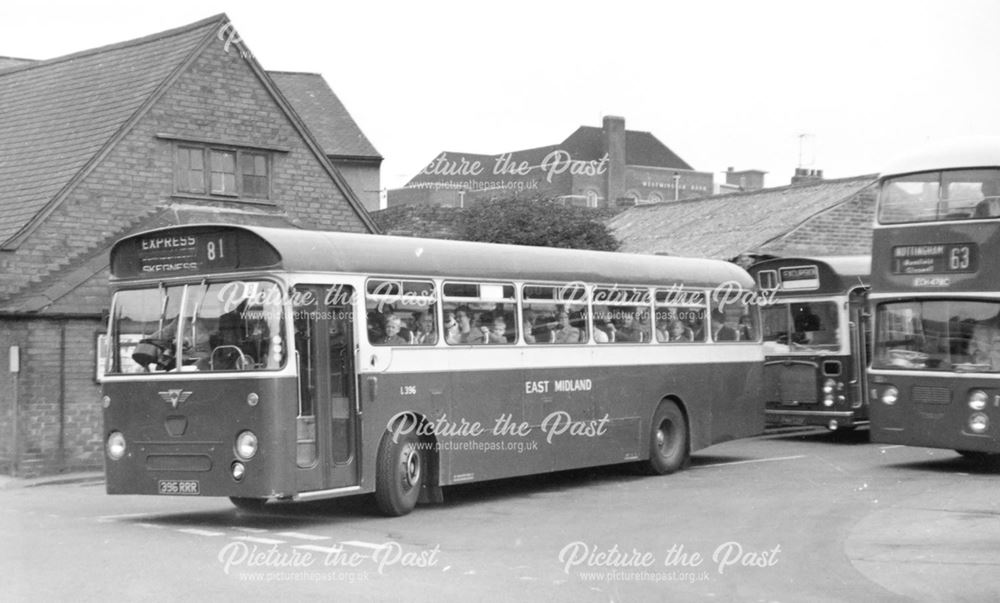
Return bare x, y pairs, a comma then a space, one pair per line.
778, 458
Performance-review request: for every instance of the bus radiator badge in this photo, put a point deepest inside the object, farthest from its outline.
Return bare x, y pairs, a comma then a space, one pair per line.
175, 397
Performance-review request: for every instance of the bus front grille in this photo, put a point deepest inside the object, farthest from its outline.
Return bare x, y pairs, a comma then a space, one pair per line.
930, 395
791, 384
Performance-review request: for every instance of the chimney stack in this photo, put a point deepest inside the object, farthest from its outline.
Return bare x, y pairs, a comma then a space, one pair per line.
807, 176
613, 137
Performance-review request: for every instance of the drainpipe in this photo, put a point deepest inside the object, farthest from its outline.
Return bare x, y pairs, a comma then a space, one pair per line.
15, 370
61, 454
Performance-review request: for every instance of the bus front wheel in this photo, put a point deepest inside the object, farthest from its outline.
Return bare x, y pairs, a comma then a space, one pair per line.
668, 440
400, 473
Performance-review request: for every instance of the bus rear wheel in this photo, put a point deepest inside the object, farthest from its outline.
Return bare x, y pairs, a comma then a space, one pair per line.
399, 475
248, 504
668, 440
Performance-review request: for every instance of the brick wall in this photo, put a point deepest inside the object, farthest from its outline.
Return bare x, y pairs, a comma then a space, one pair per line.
58, 400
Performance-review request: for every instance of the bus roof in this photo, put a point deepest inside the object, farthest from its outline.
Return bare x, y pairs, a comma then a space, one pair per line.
972, 152
325, 251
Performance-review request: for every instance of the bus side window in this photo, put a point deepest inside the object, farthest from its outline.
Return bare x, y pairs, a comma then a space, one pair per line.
479, 313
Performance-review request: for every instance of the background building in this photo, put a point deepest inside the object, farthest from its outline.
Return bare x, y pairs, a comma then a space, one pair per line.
593, 167
818, 217
182, 126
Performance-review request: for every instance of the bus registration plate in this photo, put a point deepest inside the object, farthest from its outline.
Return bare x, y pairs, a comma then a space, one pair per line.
181, 487
791, 420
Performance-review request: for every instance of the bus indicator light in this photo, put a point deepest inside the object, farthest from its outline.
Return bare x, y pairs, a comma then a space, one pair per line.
252, 399
116, 445
106, 401
890, 396
239, 470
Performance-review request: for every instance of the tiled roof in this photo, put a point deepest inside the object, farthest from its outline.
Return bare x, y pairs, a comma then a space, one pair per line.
57, 115
724, 226
641, 148
12, 62
324, 114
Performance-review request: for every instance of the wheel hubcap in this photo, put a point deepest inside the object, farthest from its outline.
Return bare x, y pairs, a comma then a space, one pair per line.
410, 461
663, 437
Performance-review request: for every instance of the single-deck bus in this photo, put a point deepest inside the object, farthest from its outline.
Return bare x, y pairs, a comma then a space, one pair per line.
815, 340
936, 296
268, 365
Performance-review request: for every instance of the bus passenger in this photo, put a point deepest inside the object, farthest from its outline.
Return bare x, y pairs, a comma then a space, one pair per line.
452, 330
680, 331
425, 333
745, 329
528, 326
464, 318
498, 332
984, 347
629, 329
393, 325
602, 332
723, 330
565, 332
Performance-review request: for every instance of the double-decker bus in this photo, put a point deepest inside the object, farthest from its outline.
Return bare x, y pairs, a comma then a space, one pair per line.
815, 340
267, 364
935, 370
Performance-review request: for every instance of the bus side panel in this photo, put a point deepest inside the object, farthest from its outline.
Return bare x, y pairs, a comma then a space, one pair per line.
500, 424
185, 430
735, 401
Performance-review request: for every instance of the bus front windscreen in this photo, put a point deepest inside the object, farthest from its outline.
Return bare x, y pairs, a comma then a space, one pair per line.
940, 195
801, 328
938, 335
235, 326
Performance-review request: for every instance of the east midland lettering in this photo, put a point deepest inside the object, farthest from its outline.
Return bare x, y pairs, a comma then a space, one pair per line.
168, 243
561, 385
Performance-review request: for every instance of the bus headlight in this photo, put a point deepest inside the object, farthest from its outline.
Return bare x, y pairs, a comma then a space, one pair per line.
246, 445
116, 445
979, 423
978, 399
890, 395
828, 386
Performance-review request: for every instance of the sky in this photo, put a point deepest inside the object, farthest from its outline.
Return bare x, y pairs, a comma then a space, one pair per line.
842, 86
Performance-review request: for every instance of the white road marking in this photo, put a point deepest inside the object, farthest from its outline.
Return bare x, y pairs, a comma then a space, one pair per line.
891, 447
364, 545
259, 540
779, 458
302, 536
326, 550
198, 532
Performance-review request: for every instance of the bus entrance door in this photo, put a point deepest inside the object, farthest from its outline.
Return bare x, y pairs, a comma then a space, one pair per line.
328, 431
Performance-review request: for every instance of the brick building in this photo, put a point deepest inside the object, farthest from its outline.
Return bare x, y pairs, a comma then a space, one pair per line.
178, 127
816, 217
593, 167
